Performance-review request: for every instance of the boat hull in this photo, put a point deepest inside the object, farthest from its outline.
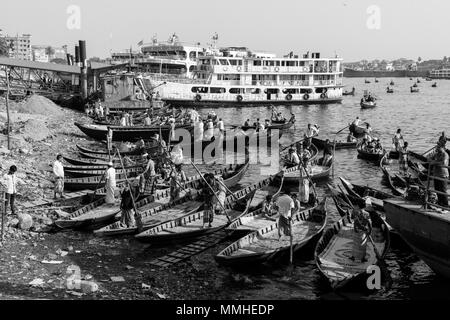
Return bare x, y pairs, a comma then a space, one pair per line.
426, 232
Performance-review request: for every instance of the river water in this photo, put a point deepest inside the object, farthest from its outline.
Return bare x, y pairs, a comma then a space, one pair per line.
421, 116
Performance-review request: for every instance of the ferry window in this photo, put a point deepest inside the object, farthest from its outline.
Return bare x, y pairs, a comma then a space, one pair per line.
253, 90
290, 63
257, 62
217, 90
192, 55
223, 62
233, 62
277, 63
236, 90
240, 62
199, 89
283, 63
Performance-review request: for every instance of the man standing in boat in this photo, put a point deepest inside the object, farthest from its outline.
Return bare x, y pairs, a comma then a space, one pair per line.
285, 206
362, 228
148, 177
443, 140
293, 159
209, 198
311, 132
110, 184
397, 140
439, 160
126, 205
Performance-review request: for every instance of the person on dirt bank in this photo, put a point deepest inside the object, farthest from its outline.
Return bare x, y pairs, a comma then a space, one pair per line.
10, 182
58, 170
110, 185
126, 205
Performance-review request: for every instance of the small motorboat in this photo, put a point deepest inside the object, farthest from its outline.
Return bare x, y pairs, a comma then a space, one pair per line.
414, 90
434, 85
415, 85
368, 104
376, 80
349, 93
366, 81
392, 83
389, 90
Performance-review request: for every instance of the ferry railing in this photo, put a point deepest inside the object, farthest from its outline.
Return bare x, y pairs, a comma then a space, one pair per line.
428, 188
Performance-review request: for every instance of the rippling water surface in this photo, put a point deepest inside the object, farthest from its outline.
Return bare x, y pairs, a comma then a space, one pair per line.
421, 116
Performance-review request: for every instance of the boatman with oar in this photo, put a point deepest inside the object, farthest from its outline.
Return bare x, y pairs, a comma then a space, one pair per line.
209, 198
362, 228
285, 205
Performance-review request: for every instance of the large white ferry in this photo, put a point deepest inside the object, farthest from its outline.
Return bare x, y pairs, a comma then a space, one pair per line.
171, 59
239, 76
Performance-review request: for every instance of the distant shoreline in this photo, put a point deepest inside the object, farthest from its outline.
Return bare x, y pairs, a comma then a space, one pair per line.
348, 73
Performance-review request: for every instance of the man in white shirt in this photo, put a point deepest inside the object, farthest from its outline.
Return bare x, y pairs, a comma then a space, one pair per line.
110, 185
293, 158
147, 121
311, 132
58, 171
10, 181
285, 206
221, 126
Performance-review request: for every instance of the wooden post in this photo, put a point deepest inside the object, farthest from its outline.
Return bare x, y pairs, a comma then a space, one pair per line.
7, 108
3, 213
428, 186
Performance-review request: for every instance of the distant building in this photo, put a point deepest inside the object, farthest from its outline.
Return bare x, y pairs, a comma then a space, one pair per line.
19, 46
389, 66
45, 53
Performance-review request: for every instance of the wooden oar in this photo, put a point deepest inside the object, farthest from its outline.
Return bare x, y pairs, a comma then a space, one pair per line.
209, 186
291, 256
343, 129
428, 151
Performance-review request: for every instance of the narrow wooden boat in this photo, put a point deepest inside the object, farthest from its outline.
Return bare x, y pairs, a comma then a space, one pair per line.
335, 248
94, 215
389, 90
366, 81
274, 125
318, 173
155, 213
414, 90
149, 148
360, 192
162, 211
320, 143
131, 172
131, 134
349, 93
359, 130
371, 156
434, 85
368, 105
99, 163
106, 157
254, 219
296, 145
264, 245
397, 187
190, 226
92, 183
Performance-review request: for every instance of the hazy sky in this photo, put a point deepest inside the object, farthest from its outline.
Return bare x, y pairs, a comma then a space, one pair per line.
407, 28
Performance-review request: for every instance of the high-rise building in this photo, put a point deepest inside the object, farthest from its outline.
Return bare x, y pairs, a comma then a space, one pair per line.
19, 46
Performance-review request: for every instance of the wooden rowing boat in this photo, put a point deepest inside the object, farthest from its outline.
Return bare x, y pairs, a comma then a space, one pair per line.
94, 215
91, 183
284, 152
191, 226
264, 244
318, 173
334, 251
360, 192
254, 219
162, 211
137, 151
368, 105
105, 158
275, 125
397, 189
358, 130
99, 163
370, 156
321, 143
156, 213
132, 134
132, 172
